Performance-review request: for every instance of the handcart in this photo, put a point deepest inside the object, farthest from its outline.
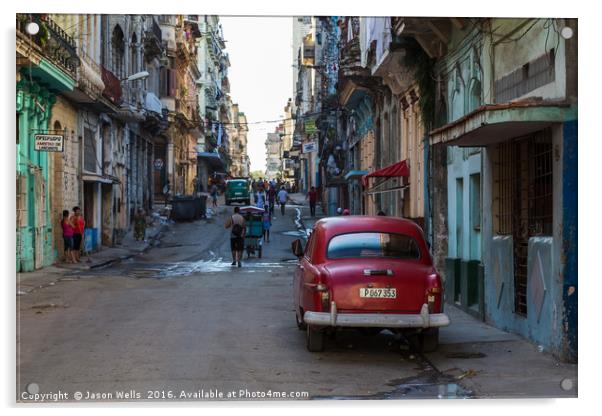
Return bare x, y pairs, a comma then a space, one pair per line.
254, 234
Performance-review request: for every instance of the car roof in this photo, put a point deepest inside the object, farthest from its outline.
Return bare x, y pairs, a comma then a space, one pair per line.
363, 223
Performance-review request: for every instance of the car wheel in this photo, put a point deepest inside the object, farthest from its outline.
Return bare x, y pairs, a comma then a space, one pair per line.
426, 341
227, 202
430, 340
259, 252
248, 202
314, 339
300, 324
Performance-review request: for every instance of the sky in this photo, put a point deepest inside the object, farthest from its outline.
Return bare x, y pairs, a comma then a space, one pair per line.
260, 74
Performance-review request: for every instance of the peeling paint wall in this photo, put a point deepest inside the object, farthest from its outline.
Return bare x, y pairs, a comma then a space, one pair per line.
544, 321
569, 240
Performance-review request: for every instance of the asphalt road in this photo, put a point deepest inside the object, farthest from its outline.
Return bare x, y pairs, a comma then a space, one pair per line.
180, 323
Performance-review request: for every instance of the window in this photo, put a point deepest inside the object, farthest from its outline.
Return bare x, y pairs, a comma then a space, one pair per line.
118, 51
90, 150
309, 248
369, 245
133, 55
523, 185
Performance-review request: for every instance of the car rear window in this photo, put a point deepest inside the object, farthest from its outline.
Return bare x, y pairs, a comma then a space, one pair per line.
360, 245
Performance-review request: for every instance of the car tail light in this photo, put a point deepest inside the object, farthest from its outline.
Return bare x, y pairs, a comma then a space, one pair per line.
433, 293
324, 296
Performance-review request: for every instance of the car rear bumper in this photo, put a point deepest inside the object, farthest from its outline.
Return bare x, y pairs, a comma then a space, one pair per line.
377, 320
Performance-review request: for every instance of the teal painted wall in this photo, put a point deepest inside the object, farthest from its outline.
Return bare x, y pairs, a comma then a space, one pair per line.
34, 235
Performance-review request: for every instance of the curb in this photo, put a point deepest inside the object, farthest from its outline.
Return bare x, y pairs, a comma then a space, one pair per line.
148, 246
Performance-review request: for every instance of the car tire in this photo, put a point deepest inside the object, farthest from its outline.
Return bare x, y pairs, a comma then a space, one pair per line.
426, 341
259, 252
227, 202
430, 340
314, 339
248, 202
302, 326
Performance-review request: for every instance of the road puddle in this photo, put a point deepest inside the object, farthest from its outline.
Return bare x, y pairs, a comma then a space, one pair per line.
426, 385
142, 270
299, 233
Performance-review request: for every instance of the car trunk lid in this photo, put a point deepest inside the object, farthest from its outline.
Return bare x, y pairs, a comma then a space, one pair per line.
350, 277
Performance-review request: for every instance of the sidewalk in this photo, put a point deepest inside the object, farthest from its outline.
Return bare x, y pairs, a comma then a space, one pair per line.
129, 247
498, 364
306, 220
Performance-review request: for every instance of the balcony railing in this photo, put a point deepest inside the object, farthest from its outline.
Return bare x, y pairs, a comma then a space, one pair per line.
55, 43
153, 40
112, 86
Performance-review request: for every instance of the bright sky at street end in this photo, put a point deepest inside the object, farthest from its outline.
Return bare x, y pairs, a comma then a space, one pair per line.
260, 74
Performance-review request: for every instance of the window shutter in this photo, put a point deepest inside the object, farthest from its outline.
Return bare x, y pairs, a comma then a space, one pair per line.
163, 87
172, 82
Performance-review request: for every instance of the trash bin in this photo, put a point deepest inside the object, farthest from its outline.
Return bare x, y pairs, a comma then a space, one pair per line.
184, 208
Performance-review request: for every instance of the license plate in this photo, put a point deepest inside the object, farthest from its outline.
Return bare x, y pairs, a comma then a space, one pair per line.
238, 193
381, 293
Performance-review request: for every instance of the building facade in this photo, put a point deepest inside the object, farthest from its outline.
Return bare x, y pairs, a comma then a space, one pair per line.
127, 95
469, 128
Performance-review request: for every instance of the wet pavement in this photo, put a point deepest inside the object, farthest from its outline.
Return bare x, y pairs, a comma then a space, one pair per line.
180, 317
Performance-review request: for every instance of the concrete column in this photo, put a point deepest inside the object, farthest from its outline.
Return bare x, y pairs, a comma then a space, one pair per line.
170, 162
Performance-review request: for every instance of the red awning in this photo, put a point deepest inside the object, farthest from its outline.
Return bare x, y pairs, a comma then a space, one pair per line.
394, 170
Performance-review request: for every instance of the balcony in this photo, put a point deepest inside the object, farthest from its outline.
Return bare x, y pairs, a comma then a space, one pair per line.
192, 23
112, 88
55, 44
350, 58
153, 41
152, 103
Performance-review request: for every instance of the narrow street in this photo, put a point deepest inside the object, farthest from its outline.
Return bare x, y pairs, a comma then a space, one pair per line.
179, 318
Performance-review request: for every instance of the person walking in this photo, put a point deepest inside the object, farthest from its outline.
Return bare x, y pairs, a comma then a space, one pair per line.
267, 223
271, 198
260, 199
67, 227
312, 195
214, 194
282, 198
140, 225
254, 190
237, 235
79, 225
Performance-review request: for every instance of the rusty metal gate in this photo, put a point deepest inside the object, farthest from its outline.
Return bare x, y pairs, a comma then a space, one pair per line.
524, 199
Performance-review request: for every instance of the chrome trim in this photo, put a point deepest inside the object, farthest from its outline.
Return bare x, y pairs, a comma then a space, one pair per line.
377, 320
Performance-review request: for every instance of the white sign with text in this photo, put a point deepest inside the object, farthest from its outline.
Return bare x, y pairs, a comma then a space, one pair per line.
49, 142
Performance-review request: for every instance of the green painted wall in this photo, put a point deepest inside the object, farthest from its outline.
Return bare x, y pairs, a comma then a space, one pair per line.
34, 235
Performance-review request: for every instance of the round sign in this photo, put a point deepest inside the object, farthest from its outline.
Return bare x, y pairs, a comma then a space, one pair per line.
158, 163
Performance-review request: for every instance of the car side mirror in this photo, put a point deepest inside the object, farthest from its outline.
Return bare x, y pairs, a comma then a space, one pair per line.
297, 247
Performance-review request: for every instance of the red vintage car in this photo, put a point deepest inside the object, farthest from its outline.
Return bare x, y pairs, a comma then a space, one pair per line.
368, 272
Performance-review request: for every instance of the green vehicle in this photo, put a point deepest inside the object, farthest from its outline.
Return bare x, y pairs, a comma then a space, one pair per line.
238, 190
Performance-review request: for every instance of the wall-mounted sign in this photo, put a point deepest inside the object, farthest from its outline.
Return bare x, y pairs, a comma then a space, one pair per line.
310, 126
310, 147
158, 164
48, 142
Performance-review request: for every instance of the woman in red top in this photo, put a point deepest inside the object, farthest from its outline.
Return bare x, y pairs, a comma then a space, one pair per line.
79, 224
68, 237
313, 198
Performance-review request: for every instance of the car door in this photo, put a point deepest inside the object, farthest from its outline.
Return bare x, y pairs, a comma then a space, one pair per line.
307, 274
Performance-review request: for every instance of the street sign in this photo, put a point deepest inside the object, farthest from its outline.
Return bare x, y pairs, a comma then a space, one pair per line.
309, 147
310, 126
48, 142
158, 164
